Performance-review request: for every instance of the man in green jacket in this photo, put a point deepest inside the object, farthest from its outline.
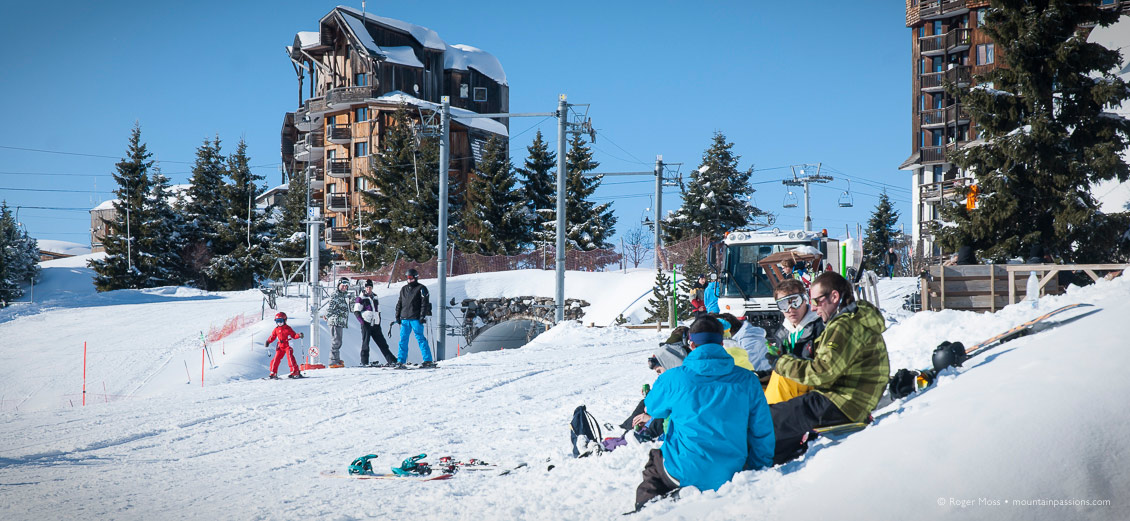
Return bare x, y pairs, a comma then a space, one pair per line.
848, 371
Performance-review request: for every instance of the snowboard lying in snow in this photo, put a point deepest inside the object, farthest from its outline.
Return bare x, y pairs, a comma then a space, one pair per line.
907, 382
409, 477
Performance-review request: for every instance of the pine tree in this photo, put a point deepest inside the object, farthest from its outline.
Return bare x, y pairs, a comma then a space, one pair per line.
694, 266
540, 185
497, 211
204, 208
120, 269
658, 305
19, 257
242, 246
717, 199
290, 232
881, 233
588, 226
1046, 138
160, 237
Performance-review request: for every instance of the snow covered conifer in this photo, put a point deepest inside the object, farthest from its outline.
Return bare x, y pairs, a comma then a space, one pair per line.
1046, 138
658, 305
290, 240
204, 209
539, 172
881, 233
497, 211
694, 266
159, 238
588, 226
118, 269
242, 248
717, 198
19, 257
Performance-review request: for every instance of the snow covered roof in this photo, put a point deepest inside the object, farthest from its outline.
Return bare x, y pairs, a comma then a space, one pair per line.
427, 37
462, 57
105, 205
308, 39
64, 247
463, 116
398, 55
174, 191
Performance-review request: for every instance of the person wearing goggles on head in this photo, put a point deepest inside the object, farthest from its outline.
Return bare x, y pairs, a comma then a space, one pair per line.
798, 330
284, 334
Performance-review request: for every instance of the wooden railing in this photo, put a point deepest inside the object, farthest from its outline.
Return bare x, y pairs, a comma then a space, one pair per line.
931, 9
338, 236
338, 203
340, 167
941, 190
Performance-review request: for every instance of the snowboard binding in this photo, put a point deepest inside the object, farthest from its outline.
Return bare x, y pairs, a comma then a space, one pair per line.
412, 466
362, 465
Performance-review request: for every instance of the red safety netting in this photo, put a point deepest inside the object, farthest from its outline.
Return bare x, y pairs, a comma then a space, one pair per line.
230, 326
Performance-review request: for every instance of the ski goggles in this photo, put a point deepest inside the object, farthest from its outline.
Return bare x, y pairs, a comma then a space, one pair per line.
280, 321
794, 301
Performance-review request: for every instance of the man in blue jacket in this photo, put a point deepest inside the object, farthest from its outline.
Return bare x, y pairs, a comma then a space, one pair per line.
719, 423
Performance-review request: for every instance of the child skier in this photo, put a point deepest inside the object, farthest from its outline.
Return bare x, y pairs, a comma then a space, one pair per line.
283, 333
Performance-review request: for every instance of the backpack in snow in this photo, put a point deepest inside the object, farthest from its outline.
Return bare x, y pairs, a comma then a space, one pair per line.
584, 432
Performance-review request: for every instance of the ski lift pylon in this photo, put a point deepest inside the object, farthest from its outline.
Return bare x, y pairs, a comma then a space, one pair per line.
790, 200
846, 200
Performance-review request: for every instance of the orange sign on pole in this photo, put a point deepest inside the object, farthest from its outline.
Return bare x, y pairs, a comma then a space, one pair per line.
971, 198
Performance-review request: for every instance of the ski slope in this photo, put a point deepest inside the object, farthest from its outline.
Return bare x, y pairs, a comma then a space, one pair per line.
1038, 418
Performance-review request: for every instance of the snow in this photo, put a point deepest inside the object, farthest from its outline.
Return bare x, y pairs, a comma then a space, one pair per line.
427, 37
64, 247
402, 56
457, 114
308, 39
1037, 418
462, 57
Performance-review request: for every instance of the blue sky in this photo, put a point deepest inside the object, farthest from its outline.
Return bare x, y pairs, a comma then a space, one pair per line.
786, 82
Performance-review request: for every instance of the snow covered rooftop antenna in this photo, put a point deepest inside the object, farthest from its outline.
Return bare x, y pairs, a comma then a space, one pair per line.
806, 176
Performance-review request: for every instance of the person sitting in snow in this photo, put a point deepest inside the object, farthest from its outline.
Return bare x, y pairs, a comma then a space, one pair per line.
669, 356
284, 334
719, 423
745, 340
800, 327
848, 371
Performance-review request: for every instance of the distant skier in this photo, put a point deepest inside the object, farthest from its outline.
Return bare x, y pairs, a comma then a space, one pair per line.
337, 319
412, 310
283, 333
892, 260
710, 297
368, 312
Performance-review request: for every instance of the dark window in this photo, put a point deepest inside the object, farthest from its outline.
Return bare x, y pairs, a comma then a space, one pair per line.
921, 102
985, 53
480, 93
937, 27
361, 79
921, 66
360, 149
937, 63
361, 114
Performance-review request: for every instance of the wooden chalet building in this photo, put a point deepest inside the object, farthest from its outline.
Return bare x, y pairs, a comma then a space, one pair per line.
947, 45
353, 73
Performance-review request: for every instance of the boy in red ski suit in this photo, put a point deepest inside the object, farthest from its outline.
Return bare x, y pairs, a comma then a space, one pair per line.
283, 333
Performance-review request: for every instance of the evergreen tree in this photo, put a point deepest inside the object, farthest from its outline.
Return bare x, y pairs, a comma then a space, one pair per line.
1046, 138
881, 233
242, 247
204, 210
539, 173
290, 232
497, 211
160, 237
694, 266
588, 226
120, 269
717, 198
658, 305
19, 257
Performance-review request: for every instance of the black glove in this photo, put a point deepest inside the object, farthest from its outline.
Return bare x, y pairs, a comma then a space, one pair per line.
397, 322
423, 320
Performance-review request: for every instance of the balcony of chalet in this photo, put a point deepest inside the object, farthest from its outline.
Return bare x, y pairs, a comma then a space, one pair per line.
937, 9
340, 134
316, 177
953, 41
935, 81
954, 114
304, 122
947, 190
337, 203
340, 168
338, 236
340, 98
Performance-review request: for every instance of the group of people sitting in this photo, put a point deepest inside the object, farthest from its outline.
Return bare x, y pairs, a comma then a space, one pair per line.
826, 365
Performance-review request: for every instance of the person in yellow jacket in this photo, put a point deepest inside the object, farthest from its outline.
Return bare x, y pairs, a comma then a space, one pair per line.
800, 327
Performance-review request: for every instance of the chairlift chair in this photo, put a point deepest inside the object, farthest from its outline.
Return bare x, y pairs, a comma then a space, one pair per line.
846, 200
790, 200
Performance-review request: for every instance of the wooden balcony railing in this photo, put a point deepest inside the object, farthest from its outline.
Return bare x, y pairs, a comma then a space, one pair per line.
931, 9
340, 167
338, 236
337, 202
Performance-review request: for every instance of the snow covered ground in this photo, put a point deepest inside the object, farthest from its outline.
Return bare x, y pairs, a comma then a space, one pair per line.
1038, 419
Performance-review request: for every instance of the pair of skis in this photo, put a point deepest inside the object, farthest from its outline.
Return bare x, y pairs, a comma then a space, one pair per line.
415, 469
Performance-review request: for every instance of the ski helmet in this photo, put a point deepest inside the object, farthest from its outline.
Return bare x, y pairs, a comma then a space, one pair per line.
280, 317
949, 354
412, 273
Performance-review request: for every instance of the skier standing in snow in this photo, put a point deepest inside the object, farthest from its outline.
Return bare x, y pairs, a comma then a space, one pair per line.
368, 312
412, 310
283, 333
719, 423
337, 319
798, 330
892, 260
848, 371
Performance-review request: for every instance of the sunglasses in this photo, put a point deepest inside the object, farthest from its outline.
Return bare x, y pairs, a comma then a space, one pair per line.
652, 362
794, 301
820, 300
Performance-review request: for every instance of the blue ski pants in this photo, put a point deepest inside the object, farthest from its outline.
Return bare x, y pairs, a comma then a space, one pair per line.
416, 328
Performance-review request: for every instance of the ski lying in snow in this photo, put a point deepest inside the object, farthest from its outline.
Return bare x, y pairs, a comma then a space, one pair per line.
408, 367
408, 477
449, 465
952, 354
